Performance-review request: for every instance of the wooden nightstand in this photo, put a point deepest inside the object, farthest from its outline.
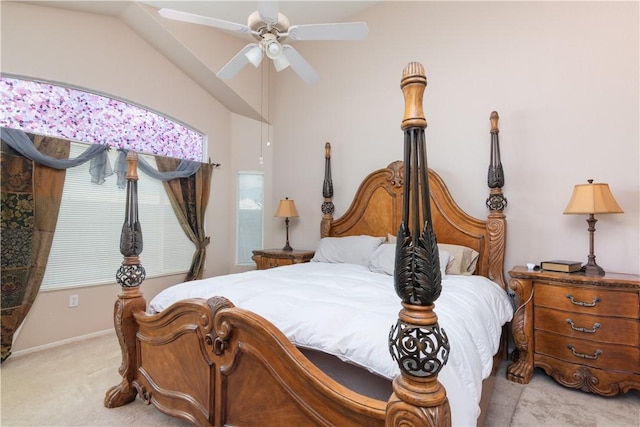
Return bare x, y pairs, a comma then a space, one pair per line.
584, 331
270, 258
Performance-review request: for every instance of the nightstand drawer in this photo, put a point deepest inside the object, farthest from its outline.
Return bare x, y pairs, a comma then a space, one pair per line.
590, 300
586, 326
583, 352
274, 262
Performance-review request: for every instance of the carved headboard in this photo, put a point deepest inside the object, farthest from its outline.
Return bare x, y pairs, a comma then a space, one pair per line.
376, 210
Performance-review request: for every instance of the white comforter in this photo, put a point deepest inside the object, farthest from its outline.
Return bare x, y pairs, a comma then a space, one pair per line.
347, 310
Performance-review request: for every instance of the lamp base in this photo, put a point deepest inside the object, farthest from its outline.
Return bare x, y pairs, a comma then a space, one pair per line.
287, 247
593, 269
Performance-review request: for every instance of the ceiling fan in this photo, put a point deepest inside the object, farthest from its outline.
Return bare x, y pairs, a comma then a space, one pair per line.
270, 28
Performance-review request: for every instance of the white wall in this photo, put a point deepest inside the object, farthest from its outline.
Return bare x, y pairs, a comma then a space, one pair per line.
562, 75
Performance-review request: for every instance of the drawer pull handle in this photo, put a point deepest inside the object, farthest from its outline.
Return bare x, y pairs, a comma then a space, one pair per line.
583, 304
596, 326
582, 355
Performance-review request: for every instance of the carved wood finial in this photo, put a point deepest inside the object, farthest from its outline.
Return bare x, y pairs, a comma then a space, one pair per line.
493, 118
132, 165
413, 84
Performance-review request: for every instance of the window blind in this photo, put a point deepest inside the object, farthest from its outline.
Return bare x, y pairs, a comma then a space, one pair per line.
250, 215
86, 245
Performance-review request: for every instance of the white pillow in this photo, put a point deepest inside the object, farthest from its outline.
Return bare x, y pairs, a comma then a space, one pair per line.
445, 260
464, 259
383, 260
349, 249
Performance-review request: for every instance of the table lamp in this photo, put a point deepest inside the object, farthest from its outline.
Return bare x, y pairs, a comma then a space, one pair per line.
286, 209
592, 199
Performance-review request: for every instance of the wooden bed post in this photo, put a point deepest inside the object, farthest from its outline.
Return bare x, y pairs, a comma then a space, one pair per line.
130, 275
496, 202
416, 342
327, 192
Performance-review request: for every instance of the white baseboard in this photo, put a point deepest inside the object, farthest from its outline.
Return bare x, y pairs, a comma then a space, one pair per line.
62, 342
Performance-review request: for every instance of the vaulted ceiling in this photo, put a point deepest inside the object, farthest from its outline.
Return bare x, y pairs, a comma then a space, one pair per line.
166, 36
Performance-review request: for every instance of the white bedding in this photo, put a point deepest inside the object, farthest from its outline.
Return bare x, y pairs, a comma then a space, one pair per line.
347, 310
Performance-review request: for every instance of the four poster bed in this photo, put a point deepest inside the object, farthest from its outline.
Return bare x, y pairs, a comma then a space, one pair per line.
286, 353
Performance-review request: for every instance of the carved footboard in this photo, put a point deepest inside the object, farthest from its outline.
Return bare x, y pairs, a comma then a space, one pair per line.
214, 364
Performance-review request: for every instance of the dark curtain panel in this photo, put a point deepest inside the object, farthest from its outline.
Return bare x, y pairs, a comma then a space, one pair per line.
31, 195
189, 198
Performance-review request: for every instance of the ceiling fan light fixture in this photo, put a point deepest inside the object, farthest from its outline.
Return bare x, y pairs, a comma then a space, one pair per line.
273, 49
280, 63
254, 56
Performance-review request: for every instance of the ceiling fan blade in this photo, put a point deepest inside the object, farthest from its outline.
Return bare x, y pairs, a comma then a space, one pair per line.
236, 64
268, 11
337, 31
203, 20
300, 65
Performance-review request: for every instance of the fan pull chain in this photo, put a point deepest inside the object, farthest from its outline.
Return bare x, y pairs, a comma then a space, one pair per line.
261, 158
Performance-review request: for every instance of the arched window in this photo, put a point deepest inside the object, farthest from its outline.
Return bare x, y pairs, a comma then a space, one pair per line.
85, 248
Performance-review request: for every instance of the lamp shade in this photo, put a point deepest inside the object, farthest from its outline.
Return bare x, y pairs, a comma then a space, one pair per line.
286, 209
280, 63
592, 198
254, 55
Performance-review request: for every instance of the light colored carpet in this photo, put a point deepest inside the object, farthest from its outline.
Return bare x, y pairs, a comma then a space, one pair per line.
543, 402
65, 386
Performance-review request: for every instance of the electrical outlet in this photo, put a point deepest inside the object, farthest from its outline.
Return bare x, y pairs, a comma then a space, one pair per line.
74, 300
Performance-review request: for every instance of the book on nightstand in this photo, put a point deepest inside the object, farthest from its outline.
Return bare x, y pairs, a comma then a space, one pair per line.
561, 265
